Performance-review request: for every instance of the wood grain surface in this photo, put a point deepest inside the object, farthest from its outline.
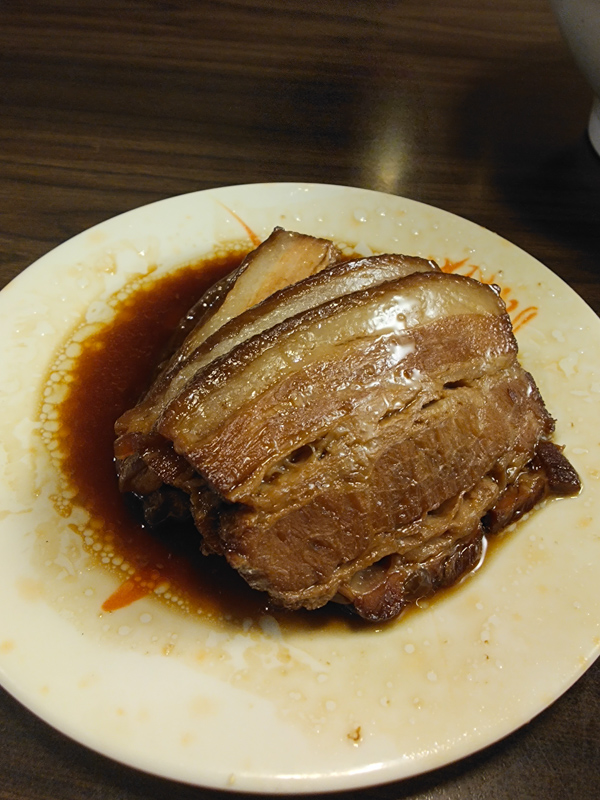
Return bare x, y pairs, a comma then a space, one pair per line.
474, 106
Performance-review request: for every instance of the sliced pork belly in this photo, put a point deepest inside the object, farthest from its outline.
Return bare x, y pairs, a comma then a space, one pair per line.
136, 447
352, 437
344, 362
453, 538
284, 258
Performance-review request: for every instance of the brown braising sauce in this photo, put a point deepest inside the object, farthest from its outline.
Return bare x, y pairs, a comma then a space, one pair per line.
114, 368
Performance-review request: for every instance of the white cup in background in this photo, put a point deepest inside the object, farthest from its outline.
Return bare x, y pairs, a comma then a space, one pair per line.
579, 22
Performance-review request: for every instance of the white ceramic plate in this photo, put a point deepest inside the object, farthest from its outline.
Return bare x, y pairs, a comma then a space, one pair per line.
255, 707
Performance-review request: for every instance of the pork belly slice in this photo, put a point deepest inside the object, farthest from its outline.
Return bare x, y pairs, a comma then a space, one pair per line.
328, 442
352, 437
137, 449
284, 258
330, 283
348, 362
303, 540
454, 537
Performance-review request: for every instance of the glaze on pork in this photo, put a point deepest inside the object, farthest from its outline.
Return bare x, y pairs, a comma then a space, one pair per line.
350, 435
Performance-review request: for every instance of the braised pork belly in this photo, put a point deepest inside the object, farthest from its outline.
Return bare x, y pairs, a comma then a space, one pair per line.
345, 431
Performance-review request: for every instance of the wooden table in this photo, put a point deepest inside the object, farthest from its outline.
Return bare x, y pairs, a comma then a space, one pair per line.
110, 105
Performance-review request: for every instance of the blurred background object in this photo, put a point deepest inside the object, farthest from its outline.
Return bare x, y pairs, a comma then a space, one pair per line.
579, 21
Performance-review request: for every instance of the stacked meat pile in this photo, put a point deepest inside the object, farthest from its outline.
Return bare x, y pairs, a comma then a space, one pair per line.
343, 430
